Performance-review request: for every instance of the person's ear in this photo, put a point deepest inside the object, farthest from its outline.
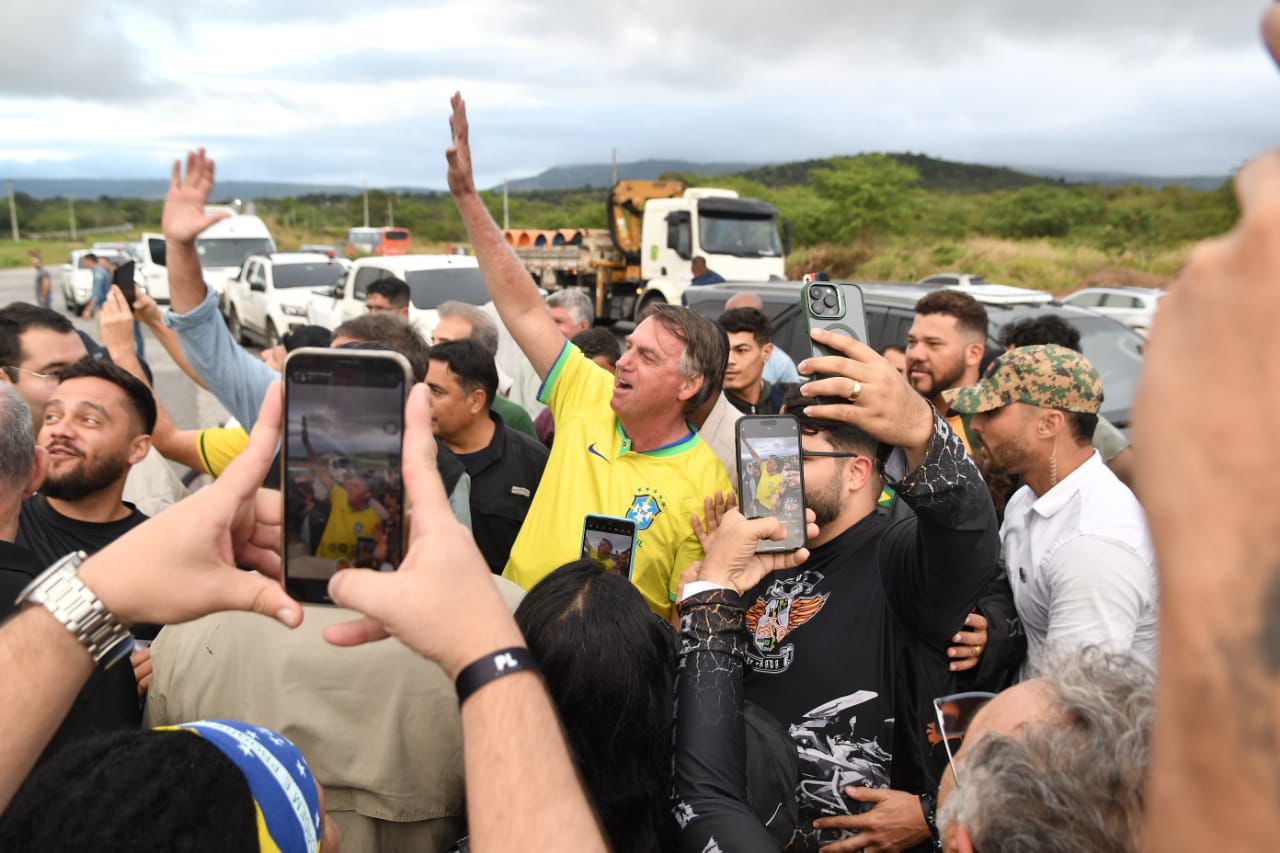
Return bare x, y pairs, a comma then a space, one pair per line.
959, 841
1050, 423
139, 447
767, 350
476, 401
39, 467
973, 353
690, 388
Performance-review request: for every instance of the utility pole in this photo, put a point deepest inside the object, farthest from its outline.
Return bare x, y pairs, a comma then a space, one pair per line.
71, 216
506, 209
615, 167
13, 212
391, 214
366, 204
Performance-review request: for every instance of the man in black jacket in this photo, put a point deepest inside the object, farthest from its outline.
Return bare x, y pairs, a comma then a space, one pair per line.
505, 465
848, 650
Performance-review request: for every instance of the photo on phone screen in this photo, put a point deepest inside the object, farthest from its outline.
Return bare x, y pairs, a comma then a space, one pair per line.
837, 307
609, 543
771, 475
343, 490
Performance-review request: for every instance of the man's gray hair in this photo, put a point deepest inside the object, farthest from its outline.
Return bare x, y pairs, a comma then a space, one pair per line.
706, 349
1072, 782
576, 302
483, 330
17, 439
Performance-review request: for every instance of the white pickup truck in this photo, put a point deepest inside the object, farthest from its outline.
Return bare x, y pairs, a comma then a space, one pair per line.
270, 294
223, 248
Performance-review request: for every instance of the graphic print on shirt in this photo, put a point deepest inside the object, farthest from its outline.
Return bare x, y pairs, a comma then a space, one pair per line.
832, 758
644, 509
784, 607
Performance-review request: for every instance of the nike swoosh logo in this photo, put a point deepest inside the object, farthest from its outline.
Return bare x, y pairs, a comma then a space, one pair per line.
591, 448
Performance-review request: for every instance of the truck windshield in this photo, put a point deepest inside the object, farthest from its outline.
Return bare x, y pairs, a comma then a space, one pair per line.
428, 288
231, 251
306, 275
745, 237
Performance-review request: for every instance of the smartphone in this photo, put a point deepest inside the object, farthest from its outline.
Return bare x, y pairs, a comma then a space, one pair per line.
771, 476
837, 307
609, 542
340, 470
123, 279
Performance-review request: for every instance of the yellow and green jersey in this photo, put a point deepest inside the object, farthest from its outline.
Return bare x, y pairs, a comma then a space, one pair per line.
345, 525
219, 445
592, 469
767, 489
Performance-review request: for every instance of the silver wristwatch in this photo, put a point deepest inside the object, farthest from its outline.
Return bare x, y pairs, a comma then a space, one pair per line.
60, 591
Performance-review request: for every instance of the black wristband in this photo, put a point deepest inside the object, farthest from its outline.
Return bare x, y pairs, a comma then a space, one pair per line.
929, 805
491, 667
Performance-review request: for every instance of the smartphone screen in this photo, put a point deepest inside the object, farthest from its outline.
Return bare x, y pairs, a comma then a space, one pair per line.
123, 279
837, 307
771, 475
343, 491
609, 543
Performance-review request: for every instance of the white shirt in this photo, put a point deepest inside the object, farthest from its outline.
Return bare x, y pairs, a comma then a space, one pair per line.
720, 431
1082, 566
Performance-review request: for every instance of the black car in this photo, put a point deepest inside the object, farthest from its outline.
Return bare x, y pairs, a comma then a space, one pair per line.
1114, 349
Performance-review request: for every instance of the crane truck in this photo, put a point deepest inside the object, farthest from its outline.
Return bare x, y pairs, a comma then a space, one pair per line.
656, 229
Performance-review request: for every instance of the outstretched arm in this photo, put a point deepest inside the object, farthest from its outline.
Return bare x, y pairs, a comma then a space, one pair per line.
318, 468
513, 292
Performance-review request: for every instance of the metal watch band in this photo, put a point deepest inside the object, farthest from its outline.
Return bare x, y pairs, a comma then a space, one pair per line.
59, 590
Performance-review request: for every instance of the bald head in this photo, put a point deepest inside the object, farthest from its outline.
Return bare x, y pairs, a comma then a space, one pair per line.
745, 299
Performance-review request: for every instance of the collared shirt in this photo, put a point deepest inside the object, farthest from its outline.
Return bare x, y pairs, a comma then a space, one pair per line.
780, 368
1082, 565
720, 432
504, 478
593, 469
101, 286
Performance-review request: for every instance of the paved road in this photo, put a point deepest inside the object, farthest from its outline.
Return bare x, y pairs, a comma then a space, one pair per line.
189, 406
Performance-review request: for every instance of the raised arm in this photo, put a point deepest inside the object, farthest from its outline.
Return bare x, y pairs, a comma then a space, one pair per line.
513, 291
318, 468
146, 311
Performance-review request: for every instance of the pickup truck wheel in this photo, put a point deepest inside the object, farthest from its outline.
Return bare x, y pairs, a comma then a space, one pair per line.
234, 326
646, 304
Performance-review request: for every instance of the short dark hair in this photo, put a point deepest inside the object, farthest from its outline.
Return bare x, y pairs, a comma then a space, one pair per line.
969, 313
598, 341
706, 349
15, 319
88, 256
471, 363
1040, 329
393, 332
843, 436
896, 347
1081, 424
135, 790
748, 320
140, 398
615, 703
392, 289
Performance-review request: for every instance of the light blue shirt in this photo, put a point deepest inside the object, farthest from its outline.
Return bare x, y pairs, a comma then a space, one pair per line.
780, 368
101, 286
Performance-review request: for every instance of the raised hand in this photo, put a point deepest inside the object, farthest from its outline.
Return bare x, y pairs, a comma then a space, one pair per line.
115, 322
184, 217
715, 506
461, 180
146, 310
420, 603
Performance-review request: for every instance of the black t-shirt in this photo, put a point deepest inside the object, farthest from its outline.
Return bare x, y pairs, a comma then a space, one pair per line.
848, 650
504, 477
50, 535
109, 699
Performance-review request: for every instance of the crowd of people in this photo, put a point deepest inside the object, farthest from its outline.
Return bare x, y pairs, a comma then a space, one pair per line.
1008, 629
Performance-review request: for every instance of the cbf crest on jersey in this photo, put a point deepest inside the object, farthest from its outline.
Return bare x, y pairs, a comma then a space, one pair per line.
644, 509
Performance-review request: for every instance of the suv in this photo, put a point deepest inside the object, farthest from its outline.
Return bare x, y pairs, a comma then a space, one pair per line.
432, 279
1115, 350
270, 294
1133, 306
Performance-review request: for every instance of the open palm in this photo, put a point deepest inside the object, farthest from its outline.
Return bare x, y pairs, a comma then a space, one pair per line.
184, 216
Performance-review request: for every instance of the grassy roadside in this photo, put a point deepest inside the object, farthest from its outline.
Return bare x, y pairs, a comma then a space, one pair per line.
15, 255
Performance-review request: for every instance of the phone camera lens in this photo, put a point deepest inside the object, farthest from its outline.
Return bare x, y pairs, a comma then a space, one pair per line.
829, 300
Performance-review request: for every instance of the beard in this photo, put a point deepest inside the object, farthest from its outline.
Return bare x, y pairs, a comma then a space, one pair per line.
824, 500
1012, 456
939, 379
87, 477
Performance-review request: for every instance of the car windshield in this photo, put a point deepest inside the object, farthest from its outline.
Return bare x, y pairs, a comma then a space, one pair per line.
306, 275
1116, 352
428, 288
395, 235
231, 251
745, 237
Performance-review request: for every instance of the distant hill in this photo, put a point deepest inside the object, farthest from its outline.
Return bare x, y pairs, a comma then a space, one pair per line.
90, 188
600, 175
1195, 182
945, 175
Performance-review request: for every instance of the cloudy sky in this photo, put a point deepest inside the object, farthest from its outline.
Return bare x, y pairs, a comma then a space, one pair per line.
344, 92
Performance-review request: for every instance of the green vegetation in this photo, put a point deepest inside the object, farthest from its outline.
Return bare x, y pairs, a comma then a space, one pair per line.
895, 217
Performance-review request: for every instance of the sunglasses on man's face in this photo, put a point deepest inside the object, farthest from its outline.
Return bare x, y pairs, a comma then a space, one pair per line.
955, 714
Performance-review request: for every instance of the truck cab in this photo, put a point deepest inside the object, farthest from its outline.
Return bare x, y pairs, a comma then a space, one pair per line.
223, 248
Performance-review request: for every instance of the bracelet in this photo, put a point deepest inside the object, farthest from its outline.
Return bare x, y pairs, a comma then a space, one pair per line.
491, 667
929, 805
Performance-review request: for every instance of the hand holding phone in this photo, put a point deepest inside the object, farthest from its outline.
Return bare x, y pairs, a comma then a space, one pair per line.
123, 279
837, 307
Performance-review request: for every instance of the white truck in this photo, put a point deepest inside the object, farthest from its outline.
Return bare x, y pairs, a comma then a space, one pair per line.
223, 248
656, 229
270, 294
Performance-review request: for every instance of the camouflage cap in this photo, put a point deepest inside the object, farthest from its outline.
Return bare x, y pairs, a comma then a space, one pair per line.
1050, 376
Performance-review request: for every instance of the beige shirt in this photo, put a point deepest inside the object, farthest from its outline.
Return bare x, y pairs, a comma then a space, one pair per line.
378, 723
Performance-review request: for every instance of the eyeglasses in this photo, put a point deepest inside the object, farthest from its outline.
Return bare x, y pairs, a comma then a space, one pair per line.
955, 714
51, 376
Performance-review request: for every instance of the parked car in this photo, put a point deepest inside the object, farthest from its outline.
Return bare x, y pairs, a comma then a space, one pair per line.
1133, 306
953, 279
76, 282
270, 295
1115, 350
223, 248
432, 279
985, 291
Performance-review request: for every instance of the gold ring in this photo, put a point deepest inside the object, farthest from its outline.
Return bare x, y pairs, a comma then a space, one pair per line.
857, 391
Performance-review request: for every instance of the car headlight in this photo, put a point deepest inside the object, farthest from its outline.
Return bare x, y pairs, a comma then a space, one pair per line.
294, 310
